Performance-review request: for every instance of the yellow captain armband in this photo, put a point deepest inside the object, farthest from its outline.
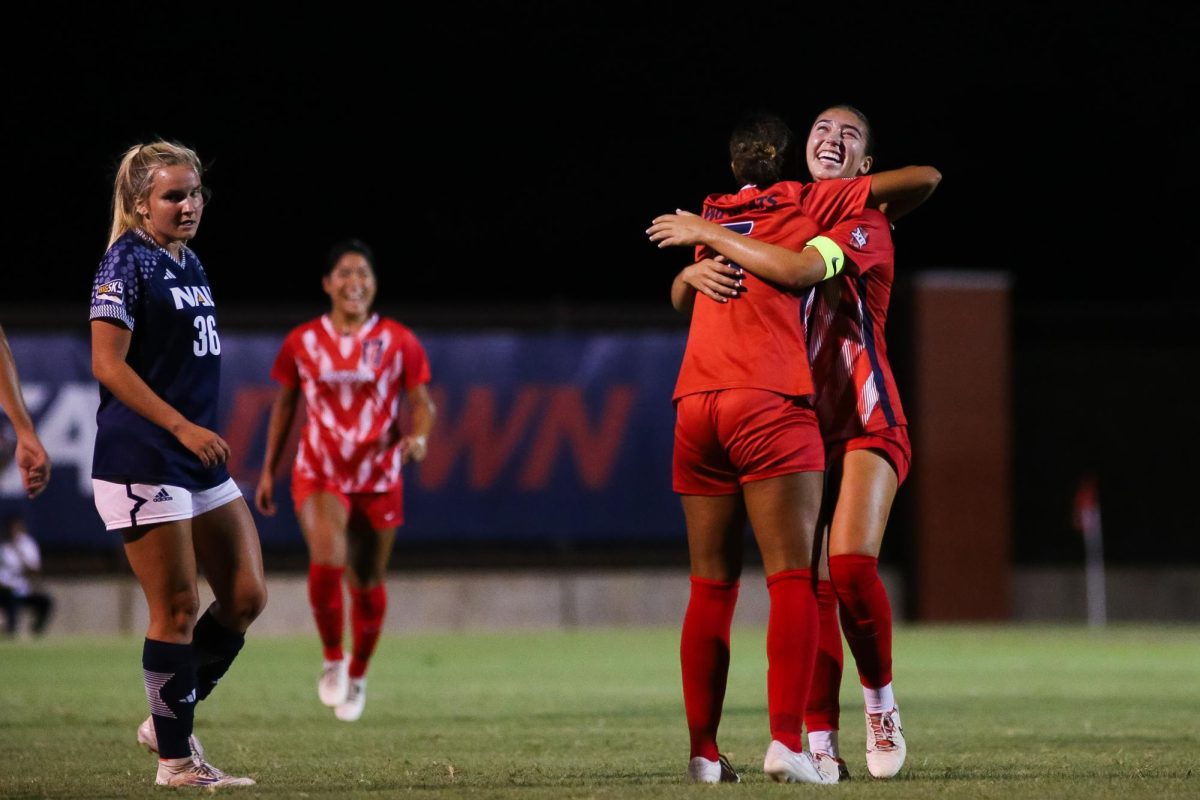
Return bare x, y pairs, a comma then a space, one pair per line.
831, 254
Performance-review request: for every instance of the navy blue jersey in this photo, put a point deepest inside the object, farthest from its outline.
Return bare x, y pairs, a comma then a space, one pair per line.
168, 306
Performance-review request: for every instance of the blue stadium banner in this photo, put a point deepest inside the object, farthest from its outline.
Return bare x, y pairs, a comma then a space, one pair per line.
541, 438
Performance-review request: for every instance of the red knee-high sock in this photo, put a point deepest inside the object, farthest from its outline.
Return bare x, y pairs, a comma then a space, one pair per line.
325, 595
791, 652
823, 709
704, 658
866, 616
367, 607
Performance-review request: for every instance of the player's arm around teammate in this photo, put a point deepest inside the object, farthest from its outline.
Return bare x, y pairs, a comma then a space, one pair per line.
898, 191
868, 457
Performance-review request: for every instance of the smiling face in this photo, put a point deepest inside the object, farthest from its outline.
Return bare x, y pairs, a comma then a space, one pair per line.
351, 286
837, 145
171, 210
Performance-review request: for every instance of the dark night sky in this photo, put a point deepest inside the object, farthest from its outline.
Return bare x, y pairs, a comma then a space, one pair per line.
516, 154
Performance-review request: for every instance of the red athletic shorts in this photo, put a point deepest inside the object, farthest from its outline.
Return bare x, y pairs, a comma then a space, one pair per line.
380, 510
891, 443
733, 436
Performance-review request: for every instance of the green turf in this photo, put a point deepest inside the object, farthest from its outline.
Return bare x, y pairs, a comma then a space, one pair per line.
990, 712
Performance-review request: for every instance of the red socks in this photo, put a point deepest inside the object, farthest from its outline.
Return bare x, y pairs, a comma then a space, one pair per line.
367, 607
866, 616
791, 651
704, 658
823, 710
325, 595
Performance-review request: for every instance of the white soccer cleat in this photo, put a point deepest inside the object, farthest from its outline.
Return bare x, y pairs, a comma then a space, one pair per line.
885, 744
195, 772
334, 682
356, 698
834, 769
147, 737
784, 765
701, 770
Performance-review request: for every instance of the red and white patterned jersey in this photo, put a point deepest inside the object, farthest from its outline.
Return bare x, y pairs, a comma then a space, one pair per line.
353, 386
844, 320
756, 340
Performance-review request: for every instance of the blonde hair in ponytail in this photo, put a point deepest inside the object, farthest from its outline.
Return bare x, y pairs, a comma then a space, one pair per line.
135, 176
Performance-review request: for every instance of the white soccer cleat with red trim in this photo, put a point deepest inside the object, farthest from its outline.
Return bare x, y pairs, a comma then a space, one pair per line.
334, 682
356, 699
785, 765
885, 744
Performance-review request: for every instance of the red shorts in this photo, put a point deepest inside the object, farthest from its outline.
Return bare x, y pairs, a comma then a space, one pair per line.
380, 510
891, 443
733, 436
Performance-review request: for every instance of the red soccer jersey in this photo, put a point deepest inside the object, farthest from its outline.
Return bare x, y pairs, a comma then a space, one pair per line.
756, 340
845, 318
352, 388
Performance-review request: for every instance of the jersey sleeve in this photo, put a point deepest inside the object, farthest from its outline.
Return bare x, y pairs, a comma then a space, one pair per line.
416, 364
865, 240
117, 286
284, 371
830, 202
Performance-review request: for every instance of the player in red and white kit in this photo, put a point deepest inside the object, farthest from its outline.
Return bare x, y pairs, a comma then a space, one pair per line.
862, 424
748, 444
355, 370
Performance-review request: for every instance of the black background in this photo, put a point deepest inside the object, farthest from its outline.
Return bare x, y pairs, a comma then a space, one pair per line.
515, 153
510, 155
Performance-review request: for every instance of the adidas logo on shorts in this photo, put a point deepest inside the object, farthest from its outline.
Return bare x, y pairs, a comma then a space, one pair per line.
162, 497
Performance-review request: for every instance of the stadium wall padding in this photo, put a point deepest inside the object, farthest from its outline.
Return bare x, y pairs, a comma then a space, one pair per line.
541, 438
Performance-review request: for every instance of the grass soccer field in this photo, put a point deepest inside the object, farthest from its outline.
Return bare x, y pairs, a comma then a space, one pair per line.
989, 712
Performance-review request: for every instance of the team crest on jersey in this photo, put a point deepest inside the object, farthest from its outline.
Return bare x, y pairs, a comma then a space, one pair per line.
372, 353
860, 237
111, 292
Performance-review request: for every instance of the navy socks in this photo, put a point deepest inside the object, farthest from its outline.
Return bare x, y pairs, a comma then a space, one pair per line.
171, 689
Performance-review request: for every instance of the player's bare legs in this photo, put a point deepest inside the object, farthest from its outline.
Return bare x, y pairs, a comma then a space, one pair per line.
715, 528
370, 551
164, 562
866, 487
323, 520
866, 490
229, 553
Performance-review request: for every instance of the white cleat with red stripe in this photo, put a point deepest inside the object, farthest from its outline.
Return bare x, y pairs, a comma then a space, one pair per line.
885, 744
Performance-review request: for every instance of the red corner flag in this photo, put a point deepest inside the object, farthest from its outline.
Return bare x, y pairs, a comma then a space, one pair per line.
1085, 513
1086, 517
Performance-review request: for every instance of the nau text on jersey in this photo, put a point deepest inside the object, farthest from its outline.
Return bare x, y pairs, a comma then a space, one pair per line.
191, 296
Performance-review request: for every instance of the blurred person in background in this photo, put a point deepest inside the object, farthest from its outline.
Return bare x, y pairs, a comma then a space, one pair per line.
158, 472
30, 455
862, 424
355, 370
20, 569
